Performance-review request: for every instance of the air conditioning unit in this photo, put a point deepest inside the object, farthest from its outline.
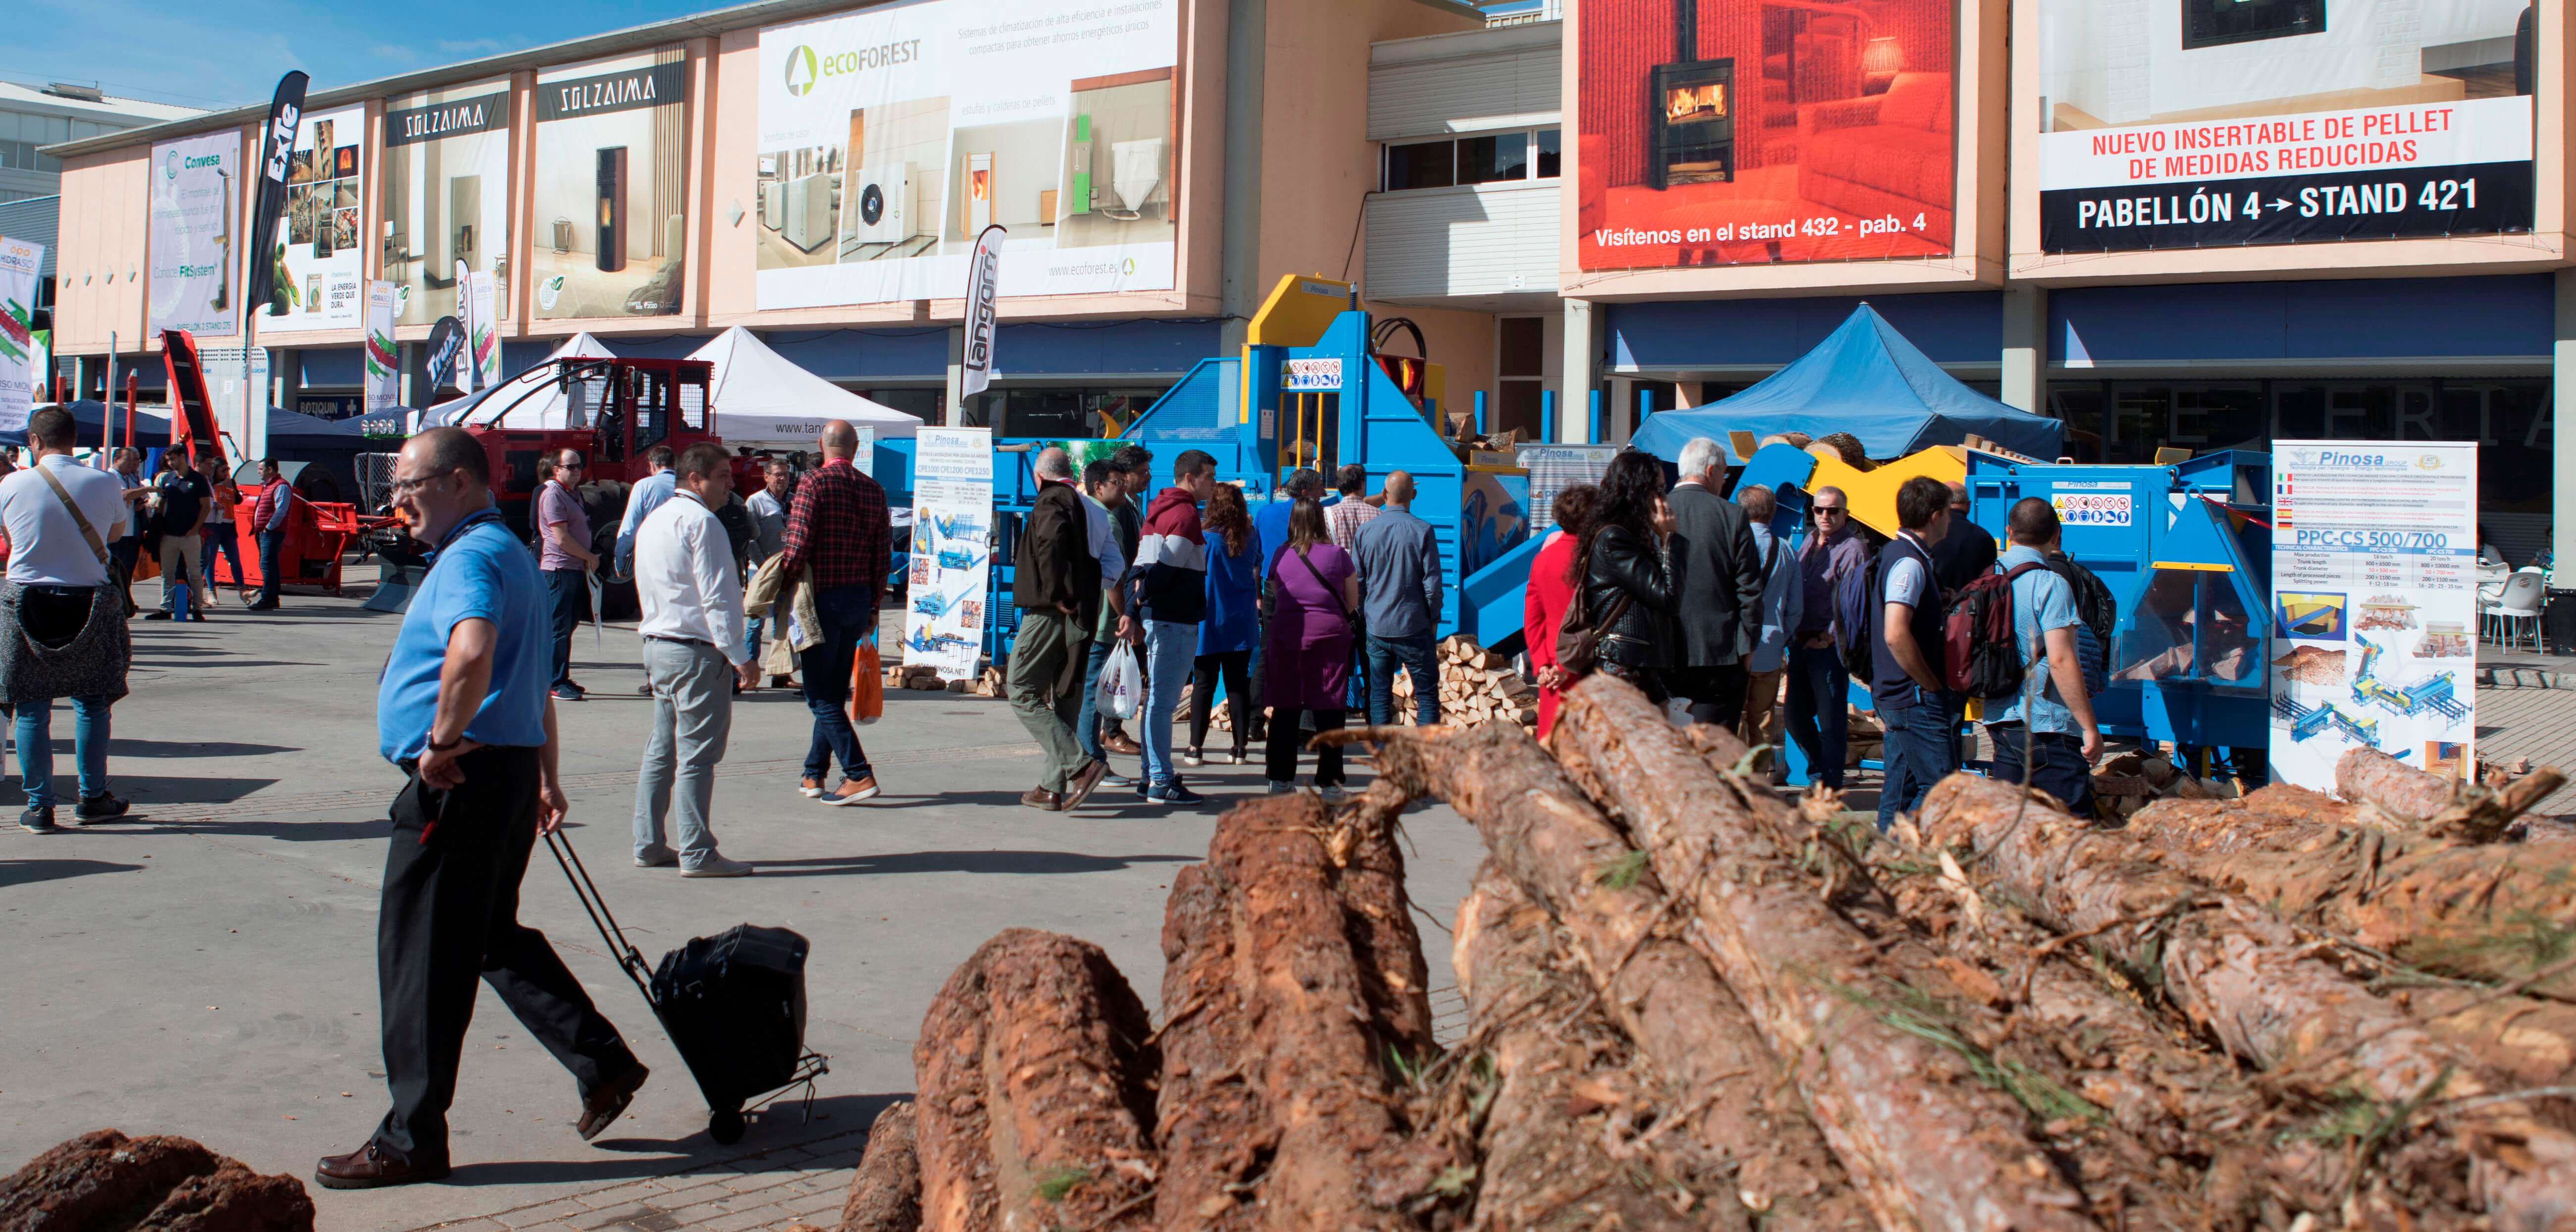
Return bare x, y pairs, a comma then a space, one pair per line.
809, 211
882, 204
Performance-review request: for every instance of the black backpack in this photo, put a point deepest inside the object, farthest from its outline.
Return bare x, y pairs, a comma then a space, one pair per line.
2093, 604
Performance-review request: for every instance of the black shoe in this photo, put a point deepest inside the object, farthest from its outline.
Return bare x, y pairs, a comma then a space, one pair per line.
38, 821
156, 615
102, 807
370, 1168
603, 1105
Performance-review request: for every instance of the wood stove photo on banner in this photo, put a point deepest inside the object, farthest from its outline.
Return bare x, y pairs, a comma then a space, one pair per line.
1735, 132
611, 196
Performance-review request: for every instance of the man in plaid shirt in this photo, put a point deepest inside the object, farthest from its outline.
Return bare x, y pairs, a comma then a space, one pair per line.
838, 528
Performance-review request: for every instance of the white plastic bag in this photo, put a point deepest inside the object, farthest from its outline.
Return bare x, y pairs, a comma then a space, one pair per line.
1122, 684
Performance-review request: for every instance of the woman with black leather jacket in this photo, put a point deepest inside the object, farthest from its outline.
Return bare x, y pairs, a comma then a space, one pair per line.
1624, 559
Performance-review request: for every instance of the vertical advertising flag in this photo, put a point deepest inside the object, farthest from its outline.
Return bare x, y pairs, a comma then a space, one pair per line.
195, 187
21, 364
320, 278
983, 320
383, 356
952, 549
446, 346
482, 333
2374, 605
276, 146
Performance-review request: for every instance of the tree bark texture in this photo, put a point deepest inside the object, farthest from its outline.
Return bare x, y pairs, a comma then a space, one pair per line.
2402, 792
886, 1194
1925, 1140
1562, 853
2244, 977
2410, 800
103, 1179
1036, 1111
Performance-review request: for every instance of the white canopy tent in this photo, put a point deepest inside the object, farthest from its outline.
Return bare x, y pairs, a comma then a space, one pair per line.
765, 400
531, 399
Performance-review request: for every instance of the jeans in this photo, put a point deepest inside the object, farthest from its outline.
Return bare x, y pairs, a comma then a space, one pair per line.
2056, 765
847, 614
1235, 668
752, 630
692, 716
1049, 644
219, 541
1169, 649
570, 589
36, 748
1922, 749
270, 544
1820, 711
1281, 760
1414, 655
1086, 723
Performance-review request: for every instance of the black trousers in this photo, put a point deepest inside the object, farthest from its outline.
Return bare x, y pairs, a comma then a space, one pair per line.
1280, 757
1716, 693
569, 591
1236, 668
451, 916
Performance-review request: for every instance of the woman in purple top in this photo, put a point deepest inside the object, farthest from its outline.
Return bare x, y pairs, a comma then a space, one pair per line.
1306, 659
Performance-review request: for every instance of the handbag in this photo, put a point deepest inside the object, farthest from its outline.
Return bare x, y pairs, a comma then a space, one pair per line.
1578, 644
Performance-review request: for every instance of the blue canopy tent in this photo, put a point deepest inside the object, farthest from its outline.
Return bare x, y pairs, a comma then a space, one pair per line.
1865, 379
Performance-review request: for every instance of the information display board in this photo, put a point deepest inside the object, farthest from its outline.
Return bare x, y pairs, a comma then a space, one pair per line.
952, 549
321, 281
2374, 605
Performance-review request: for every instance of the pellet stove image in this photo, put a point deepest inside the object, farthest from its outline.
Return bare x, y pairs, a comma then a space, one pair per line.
1691, 112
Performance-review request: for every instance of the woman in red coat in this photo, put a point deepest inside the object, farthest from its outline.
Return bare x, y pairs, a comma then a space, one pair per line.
1551, 588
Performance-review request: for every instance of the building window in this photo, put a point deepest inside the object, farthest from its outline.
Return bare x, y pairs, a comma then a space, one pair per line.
1422, 164
1484, 158
1547, 159
1520, 368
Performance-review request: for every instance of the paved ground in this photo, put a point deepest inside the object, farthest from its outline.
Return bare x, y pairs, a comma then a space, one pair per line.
2535, 718
211, 973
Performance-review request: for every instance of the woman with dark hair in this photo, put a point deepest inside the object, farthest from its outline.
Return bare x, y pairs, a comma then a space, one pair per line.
1623, 560
1306, 661
1551, 589
1232, 624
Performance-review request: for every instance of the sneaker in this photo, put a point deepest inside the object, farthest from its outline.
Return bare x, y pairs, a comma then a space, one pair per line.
1278, 788
809, 787
156, 615
658, 857
718, 866
1115, 779
645, 689
851, 791
1334, 794
1042, 800
1190, 757
1236, 758
567, 693
1173, 793
1082, 784
99, 808
38, 821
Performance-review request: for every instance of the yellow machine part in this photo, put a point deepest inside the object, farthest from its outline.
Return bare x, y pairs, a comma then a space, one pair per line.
1872, 494
1300, 308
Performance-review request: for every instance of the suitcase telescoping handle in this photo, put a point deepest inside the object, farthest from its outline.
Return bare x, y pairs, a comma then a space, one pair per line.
629, 959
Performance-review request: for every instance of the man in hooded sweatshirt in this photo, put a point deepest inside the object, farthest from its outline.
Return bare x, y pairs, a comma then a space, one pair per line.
1170, 582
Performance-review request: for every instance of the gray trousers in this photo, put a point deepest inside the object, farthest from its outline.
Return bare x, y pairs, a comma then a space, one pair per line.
1045, 686
692, 715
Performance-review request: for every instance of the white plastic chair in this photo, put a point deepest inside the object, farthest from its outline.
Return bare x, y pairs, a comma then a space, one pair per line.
2520, 602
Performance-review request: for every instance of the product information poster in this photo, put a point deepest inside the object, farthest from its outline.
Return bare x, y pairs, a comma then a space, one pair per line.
321, 282
196, 197
22, 354
611, 187
1747, 134
952, 549
891, 137
447, 194
2374, 605
2223, 122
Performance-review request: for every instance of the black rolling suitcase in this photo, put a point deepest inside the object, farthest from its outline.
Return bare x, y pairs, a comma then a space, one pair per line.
733, 1004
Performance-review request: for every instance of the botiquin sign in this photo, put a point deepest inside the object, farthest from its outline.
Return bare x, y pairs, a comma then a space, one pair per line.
2230, 122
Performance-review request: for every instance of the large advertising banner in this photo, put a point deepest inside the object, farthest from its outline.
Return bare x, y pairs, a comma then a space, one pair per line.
2374, 605
2231, 122
23, 361
1748, 134
383, 356
196, 197
611, 191
321, 283
891, 137
952, 549
447, 194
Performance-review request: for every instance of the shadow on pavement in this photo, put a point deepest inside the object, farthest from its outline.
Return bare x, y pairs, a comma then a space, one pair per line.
121, 747
29, 872
781, 1124
1017, 862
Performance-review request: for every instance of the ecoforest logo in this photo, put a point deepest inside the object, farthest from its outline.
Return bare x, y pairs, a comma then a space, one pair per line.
805, 67
800, 70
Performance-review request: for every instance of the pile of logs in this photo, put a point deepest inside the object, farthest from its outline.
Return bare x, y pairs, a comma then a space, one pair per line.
1695, 1003
924, 678
105, 1180
1477, 686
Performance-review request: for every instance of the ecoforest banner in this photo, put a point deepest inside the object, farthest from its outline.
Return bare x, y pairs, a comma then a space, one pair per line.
446, 194
611, 187
321, 282
196, 200
890, 138
2214, 122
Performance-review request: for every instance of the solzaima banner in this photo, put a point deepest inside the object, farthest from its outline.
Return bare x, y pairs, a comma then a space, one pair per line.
2223, 123
22, 362
983, 317
952, 549
195, 192
2374, 605
1746, 134
446, 193
892, 136
611, 187
320, 273
382, 355
482, 332
276, 144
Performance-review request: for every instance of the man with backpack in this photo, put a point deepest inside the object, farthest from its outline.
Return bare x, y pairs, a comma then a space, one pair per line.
1819, 676
2048, 722
1912, 694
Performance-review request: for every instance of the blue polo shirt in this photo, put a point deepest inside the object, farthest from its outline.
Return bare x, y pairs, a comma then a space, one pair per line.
2042, 603
479, 570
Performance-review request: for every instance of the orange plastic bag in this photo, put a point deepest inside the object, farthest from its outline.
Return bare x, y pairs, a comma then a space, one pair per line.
867, 684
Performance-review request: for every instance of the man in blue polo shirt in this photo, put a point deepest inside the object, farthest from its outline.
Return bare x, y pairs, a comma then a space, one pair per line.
2050, 722
462, 708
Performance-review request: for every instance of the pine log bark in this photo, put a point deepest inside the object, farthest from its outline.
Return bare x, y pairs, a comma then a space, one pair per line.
885, 1196
1210, 1122
2367, 776
104, 1179
1559, 851
1927, 1144
1554, 1051
2412, 801
1034, 1067
2244, 978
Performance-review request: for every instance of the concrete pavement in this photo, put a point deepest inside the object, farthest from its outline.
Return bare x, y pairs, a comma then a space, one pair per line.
209, 969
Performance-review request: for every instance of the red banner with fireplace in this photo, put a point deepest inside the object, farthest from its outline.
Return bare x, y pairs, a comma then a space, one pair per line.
1747, 132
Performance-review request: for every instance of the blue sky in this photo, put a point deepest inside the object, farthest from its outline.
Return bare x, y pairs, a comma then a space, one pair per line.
232, 53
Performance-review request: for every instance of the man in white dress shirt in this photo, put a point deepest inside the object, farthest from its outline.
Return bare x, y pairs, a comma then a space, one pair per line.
693, 656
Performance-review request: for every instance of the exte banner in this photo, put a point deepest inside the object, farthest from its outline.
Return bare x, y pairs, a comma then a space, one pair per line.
2223, 123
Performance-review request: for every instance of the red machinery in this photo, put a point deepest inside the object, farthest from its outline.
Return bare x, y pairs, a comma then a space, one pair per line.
318, 533
615, 410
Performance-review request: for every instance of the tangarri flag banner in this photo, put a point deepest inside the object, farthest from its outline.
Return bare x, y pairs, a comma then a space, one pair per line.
983, 278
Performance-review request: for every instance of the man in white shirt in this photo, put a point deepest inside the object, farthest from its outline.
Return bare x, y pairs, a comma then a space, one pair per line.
693, 658
60, 517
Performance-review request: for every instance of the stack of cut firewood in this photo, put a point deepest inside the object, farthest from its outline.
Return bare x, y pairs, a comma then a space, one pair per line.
2127, 783
1696, 1003
1477, 686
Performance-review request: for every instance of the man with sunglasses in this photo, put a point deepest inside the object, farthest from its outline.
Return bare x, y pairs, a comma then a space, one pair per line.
1819, 684
564, 555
